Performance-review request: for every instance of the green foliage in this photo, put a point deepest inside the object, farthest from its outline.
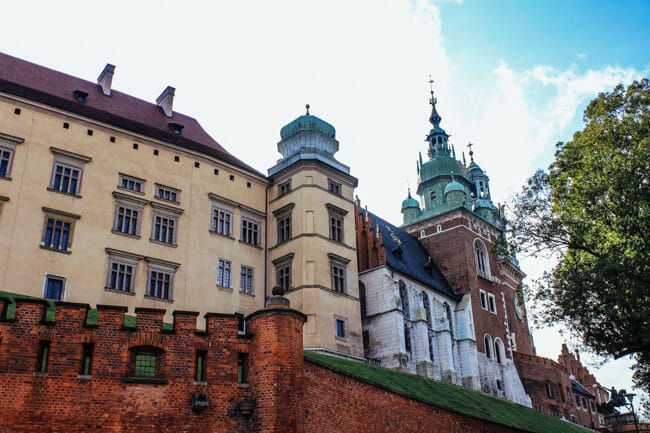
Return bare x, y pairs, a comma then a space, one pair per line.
592, 210
454, 398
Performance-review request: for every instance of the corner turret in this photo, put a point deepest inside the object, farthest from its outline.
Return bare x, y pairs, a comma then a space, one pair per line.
410, 209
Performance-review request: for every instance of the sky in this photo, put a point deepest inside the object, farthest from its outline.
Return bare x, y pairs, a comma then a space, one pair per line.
512, 77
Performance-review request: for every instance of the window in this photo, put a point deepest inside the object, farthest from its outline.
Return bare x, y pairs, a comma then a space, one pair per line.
549, 390
128, 214
333, 187
427, 308
167, 193
284, 188
87, 350
341, 326
404, 299
54, 287
246, 280
67, 171
362, 300
480, 253
577, 401
283, 272
487, 341
337, 266
513, 341
483, 299
283, 218
584, 403
250, 231
145, 364
165, 224
43, 356
591, 406
161, 279
57, 234
492, 304
223, 273
7, 149
336, 217
499, 351
433, 195
221, 221
407, 337
242, 368
121, 270
199, 366
131, 183
431, 347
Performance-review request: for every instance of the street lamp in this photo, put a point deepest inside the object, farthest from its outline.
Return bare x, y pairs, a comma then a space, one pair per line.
630, 397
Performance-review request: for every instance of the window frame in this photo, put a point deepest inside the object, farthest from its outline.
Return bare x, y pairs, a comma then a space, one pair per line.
341, 324
53, 277
122, 258
71, 160
250, 231
246, 280
499, 350
168, 189
161, 267
130, 203
87, 355
8, 144
338, 273
221, 216
489, 348
482, 259
138, 183
158, 356
171, 214
284, 272
284, 188
484, 301
492, 303
283, 223
224, 273
334, 187
64, 218
336, 222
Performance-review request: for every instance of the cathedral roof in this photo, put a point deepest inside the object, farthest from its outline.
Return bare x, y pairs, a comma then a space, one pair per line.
37, 83
407, 255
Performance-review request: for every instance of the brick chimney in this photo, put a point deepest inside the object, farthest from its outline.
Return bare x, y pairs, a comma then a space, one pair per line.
166, 100
277, 367
105, 79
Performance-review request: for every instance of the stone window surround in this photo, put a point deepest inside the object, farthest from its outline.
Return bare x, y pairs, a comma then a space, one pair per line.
284, 263
346, 333
9, 143
128, 202
165, 267
492, 303
64, 280
337, 264
135, 180
336, 220
122, 257
247, 278
68, 159
224, 273
164, 211
59, 215
283, 218
161, 189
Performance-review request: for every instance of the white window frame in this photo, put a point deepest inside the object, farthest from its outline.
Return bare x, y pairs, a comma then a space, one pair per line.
64, 286
499, 351
224, 273
492, 303
137, 183
171, 214
66, 159
489, 348
131, 203
247, 280
484, 301
165, 268
125, 259
8, 144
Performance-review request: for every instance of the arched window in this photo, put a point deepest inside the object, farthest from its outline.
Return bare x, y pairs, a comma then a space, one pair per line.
481, 256
487, 340
407, 337
427, 307
404, 297
450, 318
499, 350
431, 347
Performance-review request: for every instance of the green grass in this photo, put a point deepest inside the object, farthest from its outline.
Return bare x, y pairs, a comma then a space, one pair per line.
450, 397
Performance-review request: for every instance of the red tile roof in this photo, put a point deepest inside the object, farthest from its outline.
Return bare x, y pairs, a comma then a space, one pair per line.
47, 86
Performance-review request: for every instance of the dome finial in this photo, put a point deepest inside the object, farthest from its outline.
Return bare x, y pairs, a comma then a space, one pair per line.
432, 101
471, 152
307, 107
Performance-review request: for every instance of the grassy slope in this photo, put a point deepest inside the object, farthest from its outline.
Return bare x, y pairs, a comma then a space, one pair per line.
451, 397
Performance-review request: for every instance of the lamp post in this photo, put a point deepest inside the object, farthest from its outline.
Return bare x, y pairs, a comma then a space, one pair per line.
630, 397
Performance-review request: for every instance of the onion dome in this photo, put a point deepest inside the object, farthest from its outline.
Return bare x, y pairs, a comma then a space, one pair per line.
410, 202
307, 122
454, 186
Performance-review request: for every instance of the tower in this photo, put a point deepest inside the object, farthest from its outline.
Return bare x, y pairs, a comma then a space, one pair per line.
460, 226
311, 235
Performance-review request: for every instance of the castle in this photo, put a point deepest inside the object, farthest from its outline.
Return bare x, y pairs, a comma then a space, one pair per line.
112, 204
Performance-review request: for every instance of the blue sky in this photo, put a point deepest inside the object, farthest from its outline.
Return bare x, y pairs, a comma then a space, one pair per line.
511, 76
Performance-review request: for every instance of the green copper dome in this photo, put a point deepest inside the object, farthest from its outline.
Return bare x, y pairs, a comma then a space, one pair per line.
410, 202
307, 122
454, 186
484, 203
442, 165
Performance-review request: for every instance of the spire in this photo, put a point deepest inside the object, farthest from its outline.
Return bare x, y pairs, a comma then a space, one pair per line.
435, 118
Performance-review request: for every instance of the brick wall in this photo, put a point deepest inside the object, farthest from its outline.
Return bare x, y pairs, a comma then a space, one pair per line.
337, 403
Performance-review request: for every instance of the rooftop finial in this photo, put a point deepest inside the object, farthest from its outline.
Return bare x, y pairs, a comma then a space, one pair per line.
471, 152
432, 101
307, 107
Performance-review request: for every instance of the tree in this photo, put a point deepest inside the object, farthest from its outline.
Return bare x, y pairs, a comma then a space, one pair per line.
592, 211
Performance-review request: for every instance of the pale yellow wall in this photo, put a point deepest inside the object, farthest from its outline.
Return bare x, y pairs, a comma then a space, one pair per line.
310, 244
23, 264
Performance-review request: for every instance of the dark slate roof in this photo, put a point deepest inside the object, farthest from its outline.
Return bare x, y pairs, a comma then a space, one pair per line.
577, 387
37, 83
407, 255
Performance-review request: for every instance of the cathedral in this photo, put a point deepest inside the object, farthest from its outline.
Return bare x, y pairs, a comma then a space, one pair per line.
109, 200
